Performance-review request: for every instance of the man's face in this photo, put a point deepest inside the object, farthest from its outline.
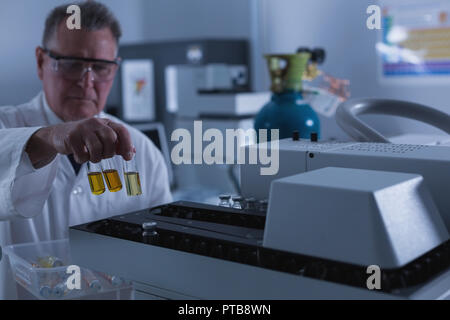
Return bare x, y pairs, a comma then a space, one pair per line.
83, 98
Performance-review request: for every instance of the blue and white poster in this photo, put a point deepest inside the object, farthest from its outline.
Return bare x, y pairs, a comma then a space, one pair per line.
415, 39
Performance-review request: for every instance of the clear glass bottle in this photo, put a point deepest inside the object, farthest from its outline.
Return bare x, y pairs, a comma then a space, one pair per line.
131, 177
111, 175
95, 178
250, 204
238, 202
263, 204
92, 283
224, 200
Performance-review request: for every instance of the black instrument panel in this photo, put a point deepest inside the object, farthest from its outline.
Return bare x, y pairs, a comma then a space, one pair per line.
237, 235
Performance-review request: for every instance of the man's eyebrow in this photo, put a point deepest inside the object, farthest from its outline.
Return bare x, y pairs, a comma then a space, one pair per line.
58, 57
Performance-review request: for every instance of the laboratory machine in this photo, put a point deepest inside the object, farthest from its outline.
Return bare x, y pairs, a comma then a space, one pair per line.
197, 79
213, 96
314, 230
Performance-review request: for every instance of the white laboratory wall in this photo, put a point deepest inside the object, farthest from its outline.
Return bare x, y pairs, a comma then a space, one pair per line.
184, 19
22, 24
340, 27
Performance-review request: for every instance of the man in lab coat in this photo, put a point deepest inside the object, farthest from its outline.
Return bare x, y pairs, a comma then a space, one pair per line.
46, 142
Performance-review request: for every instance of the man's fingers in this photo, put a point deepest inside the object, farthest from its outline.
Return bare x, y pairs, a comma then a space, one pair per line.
108, 138
94, 145
92, 139
76, 146
124, 146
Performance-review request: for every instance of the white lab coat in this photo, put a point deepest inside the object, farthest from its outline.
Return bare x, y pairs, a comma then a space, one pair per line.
40, 205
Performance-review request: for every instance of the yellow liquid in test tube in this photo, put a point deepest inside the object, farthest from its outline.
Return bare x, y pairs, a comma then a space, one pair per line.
96, 183
133, 183
112, 180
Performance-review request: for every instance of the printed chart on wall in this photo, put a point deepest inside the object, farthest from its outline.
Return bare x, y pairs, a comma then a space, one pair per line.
415, 42
138, 90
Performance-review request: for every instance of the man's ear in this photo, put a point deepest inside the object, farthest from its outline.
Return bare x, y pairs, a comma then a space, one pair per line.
40, 62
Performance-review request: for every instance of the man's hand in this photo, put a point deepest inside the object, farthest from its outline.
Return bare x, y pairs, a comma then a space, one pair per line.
88, 140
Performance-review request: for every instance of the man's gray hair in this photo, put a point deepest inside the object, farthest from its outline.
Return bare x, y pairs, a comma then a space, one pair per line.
94, 16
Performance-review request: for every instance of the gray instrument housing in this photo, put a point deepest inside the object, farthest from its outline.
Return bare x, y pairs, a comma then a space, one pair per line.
362, 217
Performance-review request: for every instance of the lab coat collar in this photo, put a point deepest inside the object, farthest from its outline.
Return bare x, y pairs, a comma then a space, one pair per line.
49, 113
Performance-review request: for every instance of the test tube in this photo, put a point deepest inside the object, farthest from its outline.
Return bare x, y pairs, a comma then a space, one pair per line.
59, 290
131, 174
91, 280
113, 280
95, 178
45, 291
111, 175
51, 285
49, 262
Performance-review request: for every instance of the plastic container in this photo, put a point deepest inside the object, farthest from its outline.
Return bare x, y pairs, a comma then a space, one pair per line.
41, 269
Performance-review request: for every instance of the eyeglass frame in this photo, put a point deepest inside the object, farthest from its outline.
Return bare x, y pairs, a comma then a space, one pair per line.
57, 57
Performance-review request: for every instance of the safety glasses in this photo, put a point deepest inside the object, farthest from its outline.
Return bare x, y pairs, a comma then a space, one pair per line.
74, 68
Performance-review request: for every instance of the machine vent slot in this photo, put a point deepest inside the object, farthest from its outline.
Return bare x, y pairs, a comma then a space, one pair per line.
384, 148
214, 214
319, 146
322, 146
